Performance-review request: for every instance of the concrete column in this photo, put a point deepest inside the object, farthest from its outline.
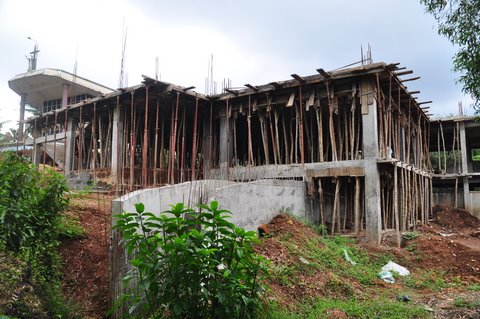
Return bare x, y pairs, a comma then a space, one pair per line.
226, 144
69, 153
117, 144
37, 136
464, 154
65, 94
206, 149
373, 212
23, 99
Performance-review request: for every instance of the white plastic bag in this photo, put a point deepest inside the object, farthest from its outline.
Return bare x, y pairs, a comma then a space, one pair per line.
394, 267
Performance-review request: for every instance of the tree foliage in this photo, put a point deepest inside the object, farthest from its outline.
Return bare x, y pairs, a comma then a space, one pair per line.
459, 22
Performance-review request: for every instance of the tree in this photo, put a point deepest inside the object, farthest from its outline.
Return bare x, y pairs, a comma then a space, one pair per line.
459, 22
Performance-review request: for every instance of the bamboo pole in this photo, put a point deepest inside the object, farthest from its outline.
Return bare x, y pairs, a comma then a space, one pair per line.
174, 140
155, 146
277, 135
55, 140
318, 113
331, 127
272, 134
145, 141
249, 124
357, 205
94, 146
45, 143
65, 140
194, 145
302, 144
321, 202
132, 141
443, 144
335, 205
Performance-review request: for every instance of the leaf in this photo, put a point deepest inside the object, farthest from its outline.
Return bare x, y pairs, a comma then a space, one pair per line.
139, 207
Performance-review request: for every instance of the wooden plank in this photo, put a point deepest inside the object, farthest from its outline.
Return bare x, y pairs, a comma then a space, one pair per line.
336, 171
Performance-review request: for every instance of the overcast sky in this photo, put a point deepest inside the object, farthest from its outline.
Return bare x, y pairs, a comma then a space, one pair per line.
252, 42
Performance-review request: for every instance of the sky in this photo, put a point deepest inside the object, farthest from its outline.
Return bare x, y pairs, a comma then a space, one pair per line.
252, 41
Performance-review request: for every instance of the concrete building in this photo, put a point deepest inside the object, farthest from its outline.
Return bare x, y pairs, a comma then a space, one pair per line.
356, 138
48, 90
455, 153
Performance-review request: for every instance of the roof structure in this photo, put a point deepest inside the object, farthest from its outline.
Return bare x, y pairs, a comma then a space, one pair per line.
46, 84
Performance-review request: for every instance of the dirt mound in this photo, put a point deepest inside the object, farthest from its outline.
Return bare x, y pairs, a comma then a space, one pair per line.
454, 218
436, 252
85, 259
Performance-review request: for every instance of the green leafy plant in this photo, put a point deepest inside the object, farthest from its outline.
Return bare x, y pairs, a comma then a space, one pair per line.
31, 202
461, 302
190, 264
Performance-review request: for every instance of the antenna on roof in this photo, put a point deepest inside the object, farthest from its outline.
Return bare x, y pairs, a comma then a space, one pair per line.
121, 79
156, 69
32, 60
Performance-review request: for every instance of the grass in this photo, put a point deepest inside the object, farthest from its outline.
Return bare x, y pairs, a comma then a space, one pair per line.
463, 303
473, 287
353, 308
69, 227
428, 279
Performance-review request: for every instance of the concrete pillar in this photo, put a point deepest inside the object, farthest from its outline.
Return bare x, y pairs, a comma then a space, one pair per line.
206, 149
464, 154
373, 212
37, 136
117, 144
65, 94
69, 153
226, 144
23, 99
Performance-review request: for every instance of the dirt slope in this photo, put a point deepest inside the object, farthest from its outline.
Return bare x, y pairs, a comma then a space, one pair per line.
86, 263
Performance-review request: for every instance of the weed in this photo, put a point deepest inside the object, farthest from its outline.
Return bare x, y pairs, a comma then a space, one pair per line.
410, 235
284, 274
351, 308
473, 287
433, 280
463, 303
69, 227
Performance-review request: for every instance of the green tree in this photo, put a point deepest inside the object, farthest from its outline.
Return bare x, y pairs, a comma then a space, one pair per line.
459, 22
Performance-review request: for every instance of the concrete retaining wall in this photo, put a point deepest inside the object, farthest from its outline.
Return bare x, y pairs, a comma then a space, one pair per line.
252, 204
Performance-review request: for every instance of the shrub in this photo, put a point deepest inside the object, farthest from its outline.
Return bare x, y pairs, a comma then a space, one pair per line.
191, 264
30, 206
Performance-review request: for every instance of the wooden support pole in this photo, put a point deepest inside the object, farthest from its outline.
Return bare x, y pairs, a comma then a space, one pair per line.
132, 141
65, 141
357, 205
249, 119
318, 112
336, 205
182, 156
174, 140
145, 141
94, 146
321, 202
45, 143
331, 128
155, 146
194, 145
55, 140
302, 144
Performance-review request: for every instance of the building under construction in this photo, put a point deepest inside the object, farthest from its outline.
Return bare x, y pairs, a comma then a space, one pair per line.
356, 137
